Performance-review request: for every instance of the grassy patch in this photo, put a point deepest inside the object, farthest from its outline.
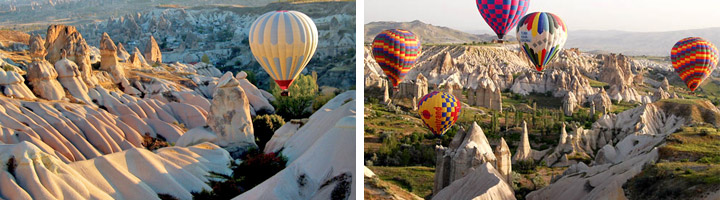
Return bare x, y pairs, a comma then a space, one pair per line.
689, 166
418, 180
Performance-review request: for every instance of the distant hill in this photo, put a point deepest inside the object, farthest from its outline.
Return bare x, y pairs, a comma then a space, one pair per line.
429, 34
636, 43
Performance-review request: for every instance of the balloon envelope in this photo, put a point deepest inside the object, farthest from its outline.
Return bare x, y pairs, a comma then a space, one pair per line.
694, 59
439, 111
502, 15
283, 42
541, 35
396, 51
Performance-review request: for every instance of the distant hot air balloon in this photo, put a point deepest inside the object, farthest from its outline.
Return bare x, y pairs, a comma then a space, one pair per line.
502, 15
439, 111
283, 42
396, 51
694, 59
541, 36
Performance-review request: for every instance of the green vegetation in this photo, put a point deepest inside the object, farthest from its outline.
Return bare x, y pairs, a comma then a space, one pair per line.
301, 95
689, 166
255, 168
418, 180
205, 59
264, 127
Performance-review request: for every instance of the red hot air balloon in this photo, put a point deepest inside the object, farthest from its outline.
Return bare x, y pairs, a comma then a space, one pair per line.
502, 15
694, 59
396, 51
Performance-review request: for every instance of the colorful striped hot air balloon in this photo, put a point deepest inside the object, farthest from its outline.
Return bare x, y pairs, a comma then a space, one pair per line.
439, 111
694, 59
541, 35
502, 15
396, 51
283, 42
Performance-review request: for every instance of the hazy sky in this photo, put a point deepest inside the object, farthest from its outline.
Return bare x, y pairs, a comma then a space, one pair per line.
627, 15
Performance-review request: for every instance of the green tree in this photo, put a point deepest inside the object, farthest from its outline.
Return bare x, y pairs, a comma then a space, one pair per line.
298, 103
205, 59
264, 127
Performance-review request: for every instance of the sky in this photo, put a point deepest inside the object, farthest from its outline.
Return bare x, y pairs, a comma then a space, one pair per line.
624, 15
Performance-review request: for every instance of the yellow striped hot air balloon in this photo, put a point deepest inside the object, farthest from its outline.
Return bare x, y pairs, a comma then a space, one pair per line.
439, 111
283, 42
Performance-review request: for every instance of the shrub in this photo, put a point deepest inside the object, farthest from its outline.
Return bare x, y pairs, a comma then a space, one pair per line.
301, 95
205, 59
321, 100
258, 167
251, 77
265, 126
152, 143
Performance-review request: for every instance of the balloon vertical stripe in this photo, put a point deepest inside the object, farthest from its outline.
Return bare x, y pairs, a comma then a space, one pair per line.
396, 51
541, 35
694, 59
283, 42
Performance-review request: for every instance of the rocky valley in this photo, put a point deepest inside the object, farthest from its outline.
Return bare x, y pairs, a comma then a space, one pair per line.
590, 126
103, 111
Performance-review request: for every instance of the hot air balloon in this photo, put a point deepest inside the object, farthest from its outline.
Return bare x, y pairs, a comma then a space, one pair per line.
694, 59
439, 111
541, 36
502, 15
283, 42
396, 51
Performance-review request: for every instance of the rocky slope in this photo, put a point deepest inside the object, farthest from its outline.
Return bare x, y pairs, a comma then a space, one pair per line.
620, 145
82, 127
221, 32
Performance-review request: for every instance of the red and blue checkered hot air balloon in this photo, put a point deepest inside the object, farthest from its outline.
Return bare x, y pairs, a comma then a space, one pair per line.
694, 59
502, 15
396, 51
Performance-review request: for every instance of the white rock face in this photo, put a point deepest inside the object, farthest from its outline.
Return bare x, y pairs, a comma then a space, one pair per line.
323, 166
295, 142
258, 102
69, 77
43, 79
14, 85
132, 174
483, 183
524, 151
467, 151
569, 104
229, 116
485, 94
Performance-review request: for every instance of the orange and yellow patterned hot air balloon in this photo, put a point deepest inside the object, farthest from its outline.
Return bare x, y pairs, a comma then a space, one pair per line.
396, 51
694, 59
439, 111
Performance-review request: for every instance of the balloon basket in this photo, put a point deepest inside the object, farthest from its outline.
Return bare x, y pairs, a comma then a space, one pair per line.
285, 93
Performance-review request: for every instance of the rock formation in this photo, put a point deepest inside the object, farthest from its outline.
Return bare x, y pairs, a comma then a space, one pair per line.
485, 94
174, 171
504, 161
109, 60
122, 54
229, 116
467, 151
69, 77
601, 101
318, 154
152, 51
558, 81
14, 85
61, 37
481, 183
412, 89
665, 85
617, 72
41, 74
524, 151
258, 102
660, 94
569, 104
